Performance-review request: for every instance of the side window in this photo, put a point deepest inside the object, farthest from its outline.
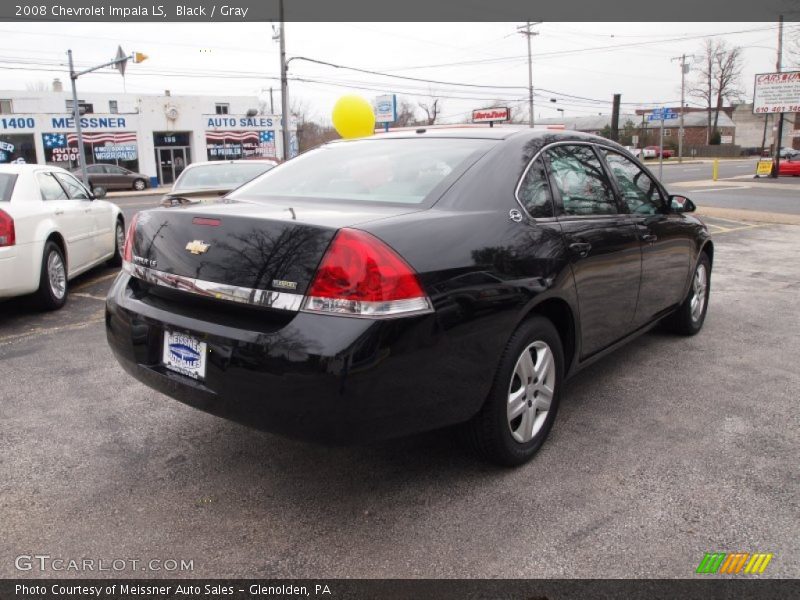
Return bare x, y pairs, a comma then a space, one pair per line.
50, 188
638, 189
74, 188
94, 169
578, 174
534, 192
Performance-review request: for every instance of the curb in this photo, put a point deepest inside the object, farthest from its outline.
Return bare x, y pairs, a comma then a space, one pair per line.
144, 192
755, 216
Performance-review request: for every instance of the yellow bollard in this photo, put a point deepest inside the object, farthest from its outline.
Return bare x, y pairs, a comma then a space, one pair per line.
715, 170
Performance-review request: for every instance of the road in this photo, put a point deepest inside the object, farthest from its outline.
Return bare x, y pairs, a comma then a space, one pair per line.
668, 449
694, 171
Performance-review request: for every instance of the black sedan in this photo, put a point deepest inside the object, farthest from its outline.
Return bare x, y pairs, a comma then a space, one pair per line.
410, 281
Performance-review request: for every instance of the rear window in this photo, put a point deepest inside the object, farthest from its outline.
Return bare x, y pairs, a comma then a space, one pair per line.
224, 176
401, 170
7, 181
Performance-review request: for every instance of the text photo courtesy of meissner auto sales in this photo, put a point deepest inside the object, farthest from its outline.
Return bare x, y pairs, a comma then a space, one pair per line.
415, 301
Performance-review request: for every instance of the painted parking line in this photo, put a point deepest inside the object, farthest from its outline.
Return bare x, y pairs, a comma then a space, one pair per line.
10, 339
90, 296
722, 189
91, 282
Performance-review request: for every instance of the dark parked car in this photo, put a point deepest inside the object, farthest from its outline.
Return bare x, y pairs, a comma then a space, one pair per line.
409, 281
113, 177
203, 181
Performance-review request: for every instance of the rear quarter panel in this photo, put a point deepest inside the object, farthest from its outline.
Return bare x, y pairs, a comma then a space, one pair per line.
484, 272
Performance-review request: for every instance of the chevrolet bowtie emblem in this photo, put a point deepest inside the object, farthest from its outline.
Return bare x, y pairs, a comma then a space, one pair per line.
197, 247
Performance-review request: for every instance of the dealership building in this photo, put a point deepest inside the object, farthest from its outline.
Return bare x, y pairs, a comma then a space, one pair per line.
154, 135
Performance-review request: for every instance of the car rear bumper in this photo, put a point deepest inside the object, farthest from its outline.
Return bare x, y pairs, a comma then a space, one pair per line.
326, 378
19, 271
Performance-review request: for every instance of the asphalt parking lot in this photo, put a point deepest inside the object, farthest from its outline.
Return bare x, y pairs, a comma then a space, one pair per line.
668, 449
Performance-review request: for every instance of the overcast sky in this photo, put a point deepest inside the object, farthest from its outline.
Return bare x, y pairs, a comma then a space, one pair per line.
590, 60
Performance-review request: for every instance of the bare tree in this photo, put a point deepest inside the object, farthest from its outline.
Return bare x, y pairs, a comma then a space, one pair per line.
406, 115
718, 79
727, 76
37, 86
432, 109
792, 54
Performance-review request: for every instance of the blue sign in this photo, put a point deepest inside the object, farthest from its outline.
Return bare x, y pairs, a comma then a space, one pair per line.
662, 114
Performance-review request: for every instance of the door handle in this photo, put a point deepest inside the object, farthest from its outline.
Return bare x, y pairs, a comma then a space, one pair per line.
58, 212
649, 238
580, 248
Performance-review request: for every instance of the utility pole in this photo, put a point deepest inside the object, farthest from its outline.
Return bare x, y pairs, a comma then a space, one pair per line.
526, 31
76, 116
119, 63
684, 71
271, 102
284, 88
779, 68
617, 99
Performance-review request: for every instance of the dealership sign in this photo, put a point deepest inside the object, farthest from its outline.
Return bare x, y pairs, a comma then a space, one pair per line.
491, 115
386, 109
777, 92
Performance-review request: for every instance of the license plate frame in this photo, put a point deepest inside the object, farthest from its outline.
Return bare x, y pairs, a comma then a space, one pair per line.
184, 354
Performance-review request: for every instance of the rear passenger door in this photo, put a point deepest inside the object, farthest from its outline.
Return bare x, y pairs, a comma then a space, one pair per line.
667, 243
71, 219
604, 250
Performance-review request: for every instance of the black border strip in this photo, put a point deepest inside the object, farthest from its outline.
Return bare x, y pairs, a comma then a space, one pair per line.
702, 588
333, 11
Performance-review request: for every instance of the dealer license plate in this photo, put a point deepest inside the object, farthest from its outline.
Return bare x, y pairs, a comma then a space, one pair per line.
184, 354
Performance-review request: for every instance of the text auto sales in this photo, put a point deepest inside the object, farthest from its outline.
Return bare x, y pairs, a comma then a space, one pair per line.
169, 590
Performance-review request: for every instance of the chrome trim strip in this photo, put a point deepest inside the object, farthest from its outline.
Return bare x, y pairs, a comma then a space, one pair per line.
218, 291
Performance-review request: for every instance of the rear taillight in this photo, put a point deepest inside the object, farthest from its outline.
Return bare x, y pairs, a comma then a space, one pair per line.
7, 233
361, 276
127, 251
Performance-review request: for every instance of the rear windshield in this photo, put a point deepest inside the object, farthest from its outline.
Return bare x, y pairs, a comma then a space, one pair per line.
220, 176
400, 170
7, 181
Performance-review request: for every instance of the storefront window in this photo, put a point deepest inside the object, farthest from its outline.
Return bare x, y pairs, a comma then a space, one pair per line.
17, 148
61, 149
235, 145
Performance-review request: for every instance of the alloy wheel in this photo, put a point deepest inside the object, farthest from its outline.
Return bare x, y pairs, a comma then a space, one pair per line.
699, 288
531, 391
56, 273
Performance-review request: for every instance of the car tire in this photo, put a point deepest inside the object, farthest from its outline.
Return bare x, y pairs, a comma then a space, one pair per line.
690, 316
119, 244
52, 292
139, 184
512, 425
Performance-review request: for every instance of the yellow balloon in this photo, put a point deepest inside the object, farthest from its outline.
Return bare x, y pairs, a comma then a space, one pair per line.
353, 117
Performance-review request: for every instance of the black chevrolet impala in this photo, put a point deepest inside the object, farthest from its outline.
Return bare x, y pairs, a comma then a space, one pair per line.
410, 281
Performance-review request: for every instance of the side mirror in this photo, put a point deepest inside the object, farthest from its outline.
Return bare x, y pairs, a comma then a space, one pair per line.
681, 204
99, 192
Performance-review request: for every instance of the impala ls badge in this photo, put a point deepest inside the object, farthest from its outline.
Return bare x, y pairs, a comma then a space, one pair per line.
197, 247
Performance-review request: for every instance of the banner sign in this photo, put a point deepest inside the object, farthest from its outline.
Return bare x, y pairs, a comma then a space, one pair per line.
777, 92
233, 145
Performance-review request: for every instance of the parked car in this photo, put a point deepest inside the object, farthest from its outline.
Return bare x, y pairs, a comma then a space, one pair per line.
331, 297
52, 229
789, 165
113, 177
202, 181
655, 152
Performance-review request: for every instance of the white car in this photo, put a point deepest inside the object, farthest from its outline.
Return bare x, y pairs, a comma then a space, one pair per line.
51, 229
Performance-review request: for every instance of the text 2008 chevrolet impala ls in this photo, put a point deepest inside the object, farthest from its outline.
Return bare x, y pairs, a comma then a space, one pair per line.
410, 281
